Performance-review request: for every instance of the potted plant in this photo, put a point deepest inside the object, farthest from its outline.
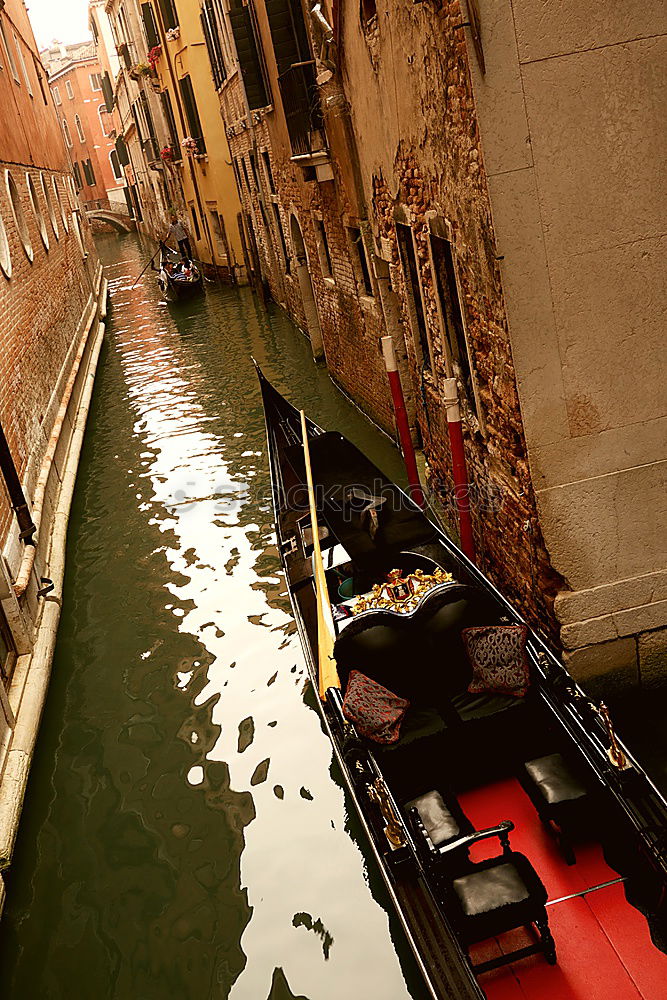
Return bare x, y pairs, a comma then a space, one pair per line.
173, 34
154, 55
190, 145
139, 70
167, 154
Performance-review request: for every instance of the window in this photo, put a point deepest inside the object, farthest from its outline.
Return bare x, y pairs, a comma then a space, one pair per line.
79, 128
10, 53
77, 175
23, 66
7, 651
105, 122
195, 221
36, 211
57, 100
191, 113
266, 160
88, 172
246, 175
281, 235
5, 255
68, 88
251, 57
95, 81
68, 137
450, 310
63, 214
115, 165
19, 217
413, 291
323, 249
150, 27
210, 27
171, 124
253, 168
368, 13
359, 261
169, 15
49, 205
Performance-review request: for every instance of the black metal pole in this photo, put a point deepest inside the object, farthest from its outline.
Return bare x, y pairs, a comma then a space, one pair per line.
26, 527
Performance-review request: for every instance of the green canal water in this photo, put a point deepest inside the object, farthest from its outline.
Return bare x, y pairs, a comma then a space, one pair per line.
185, 834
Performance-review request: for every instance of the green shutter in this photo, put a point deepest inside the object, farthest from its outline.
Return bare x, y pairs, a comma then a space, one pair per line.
150, 27
107, 90
191, 113
288, 32
169, 15
121, 149
249, 55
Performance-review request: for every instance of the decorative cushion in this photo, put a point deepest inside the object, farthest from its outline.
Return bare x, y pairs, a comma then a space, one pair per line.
376, 712
498, 657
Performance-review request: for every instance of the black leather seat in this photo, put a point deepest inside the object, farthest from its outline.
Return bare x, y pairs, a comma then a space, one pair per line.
441, 817
560, 796
490, 897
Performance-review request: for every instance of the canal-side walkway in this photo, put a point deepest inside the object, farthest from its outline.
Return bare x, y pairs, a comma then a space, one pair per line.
184, 833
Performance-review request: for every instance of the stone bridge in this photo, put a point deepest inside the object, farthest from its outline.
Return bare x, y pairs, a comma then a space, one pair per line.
123, 223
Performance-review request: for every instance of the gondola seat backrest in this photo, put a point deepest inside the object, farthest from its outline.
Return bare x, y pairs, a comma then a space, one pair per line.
421, 657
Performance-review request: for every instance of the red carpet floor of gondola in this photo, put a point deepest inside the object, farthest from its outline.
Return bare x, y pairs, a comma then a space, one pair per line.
604, 947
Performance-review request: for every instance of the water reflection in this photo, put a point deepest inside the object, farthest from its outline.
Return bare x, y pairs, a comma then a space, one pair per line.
183, 835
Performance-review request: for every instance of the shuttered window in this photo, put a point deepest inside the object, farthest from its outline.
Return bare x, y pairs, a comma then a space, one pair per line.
88, 172
288, 32
121, 149
209, 23
191, 113
250, 55
7, 650
107, 90
77, 175
171, 123
169, 15
150, 27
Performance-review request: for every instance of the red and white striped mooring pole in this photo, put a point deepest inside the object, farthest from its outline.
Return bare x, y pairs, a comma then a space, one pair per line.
402, 425
459, 469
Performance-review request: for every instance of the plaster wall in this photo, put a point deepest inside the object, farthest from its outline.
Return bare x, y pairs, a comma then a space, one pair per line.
571, 112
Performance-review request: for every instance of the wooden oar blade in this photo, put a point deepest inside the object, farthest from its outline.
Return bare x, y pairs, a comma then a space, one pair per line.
327, 672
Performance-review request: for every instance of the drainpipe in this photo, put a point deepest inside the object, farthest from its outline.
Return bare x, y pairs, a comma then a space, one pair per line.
16, 495
402, 423
459, 468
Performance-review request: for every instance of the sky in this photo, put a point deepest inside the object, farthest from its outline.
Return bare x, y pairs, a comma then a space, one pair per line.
65, 20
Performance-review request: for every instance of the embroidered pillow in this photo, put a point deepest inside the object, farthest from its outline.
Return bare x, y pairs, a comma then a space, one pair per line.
376, 712
498, 657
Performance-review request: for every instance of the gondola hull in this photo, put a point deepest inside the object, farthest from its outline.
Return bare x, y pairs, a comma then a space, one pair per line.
412, 874
177, 285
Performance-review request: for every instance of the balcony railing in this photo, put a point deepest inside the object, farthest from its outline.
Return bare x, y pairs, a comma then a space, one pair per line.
303, 113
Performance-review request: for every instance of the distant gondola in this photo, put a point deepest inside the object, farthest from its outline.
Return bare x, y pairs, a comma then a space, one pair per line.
178, 279
522, 846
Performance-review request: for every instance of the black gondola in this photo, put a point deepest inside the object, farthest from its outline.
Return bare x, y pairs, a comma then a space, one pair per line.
522, 846
178, 279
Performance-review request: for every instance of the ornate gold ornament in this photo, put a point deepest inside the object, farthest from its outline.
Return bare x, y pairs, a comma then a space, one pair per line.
393, 831
400, 594
615, 754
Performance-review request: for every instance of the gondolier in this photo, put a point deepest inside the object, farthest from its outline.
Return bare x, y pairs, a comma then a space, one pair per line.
180, 234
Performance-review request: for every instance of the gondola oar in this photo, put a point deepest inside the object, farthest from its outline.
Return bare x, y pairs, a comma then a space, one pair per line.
327, 672
146, 268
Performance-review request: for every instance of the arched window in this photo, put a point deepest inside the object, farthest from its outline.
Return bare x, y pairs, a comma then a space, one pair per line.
49, 205
104, 120
37, 211
5, 256
68, 137
79, 128
19, 217
63, 214
115, 165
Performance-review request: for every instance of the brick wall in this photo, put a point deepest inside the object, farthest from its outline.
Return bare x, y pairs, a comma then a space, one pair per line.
41, 307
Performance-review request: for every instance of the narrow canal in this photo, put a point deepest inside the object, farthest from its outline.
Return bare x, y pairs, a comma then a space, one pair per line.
185, 834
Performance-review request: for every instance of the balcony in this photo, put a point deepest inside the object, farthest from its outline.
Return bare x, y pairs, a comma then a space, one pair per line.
303, 114
151, 152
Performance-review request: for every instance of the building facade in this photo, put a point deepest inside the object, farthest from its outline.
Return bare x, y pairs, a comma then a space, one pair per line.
75, 79
391, 186
51, 301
